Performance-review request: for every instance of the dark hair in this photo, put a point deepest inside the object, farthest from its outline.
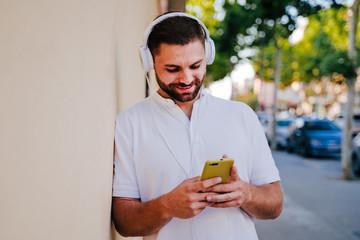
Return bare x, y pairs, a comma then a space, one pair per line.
178, 30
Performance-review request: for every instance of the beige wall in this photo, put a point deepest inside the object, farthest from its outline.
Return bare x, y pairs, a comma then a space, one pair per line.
137, 15
61, 64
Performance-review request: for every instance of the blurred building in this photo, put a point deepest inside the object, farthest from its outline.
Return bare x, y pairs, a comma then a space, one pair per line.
66, 69
320, 98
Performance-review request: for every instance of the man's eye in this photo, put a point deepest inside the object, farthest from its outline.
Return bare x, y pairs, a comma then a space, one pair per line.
195, 66
172, 70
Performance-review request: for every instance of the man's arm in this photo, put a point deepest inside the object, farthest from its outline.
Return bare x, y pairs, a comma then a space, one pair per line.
134, 218
266, 201
262, 202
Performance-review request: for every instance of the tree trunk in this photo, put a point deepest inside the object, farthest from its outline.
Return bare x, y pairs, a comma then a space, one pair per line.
261, 69
347, 133
276, 84
261, 62
350, 82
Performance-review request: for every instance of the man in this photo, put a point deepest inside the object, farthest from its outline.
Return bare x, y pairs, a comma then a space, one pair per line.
163, 142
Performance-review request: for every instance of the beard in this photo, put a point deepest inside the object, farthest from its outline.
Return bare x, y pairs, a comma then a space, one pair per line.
170, 89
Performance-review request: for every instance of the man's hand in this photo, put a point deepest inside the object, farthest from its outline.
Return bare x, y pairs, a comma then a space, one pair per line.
233, 194
188, 199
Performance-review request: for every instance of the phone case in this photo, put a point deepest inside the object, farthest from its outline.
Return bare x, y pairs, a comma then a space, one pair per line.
218, 168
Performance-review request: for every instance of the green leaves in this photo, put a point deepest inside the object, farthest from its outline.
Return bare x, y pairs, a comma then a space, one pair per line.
322, 51
340, 63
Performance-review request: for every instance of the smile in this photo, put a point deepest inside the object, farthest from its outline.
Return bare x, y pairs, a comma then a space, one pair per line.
184, 88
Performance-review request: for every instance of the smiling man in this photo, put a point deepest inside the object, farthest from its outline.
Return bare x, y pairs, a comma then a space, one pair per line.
162, 143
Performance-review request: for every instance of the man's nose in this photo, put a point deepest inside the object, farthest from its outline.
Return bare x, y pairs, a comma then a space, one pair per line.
187, 76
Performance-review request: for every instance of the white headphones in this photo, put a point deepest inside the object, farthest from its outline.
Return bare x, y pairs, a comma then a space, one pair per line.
145, 54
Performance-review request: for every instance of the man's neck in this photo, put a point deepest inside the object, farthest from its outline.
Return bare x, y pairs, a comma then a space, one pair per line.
187, 107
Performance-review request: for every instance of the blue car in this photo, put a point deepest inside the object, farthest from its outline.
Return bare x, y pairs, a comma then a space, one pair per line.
314, 137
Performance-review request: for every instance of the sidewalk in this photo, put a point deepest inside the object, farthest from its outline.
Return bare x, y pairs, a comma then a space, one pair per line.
317, 203
298, 223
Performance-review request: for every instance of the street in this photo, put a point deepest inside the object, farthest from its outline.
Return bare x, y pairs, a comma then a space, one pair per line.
317, 203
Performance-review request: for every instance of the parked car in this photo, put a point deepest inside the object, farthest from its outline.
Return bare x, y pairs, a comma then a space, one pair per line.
282, 132
264, 119
355, 156
314, 137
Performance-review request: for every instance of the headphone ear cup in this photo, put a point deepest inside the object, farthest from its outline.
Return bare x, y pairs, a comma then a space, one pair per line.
209, 51
146, 58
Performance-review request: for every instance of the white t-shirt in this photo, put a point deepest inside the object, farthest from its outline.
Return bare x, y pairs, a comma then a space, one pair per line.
157, 147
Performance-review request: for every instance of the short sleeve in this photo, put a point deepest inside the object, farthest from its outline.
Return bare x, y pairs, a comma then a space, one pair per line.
124, 180
264, 169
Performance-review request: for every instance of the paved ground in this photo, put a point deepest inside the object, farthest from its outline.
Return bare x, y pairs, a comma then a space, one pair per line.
317, 203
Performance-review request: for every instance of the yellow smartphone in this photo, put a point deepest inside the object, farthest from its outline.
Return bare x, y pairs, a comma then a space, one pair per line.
218, 168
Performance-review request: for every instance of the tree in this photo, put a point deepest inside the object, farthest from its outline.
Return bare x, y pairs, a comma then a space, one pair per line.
350, 82
343, 62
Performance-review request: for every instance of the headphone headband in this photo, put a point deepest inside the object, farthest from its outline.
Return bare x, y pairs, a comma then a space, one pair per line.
145, 54
170, 15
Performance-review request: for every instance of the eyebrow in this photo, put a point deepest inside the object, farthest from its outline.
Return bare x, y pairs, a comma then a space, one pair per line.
173, 65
